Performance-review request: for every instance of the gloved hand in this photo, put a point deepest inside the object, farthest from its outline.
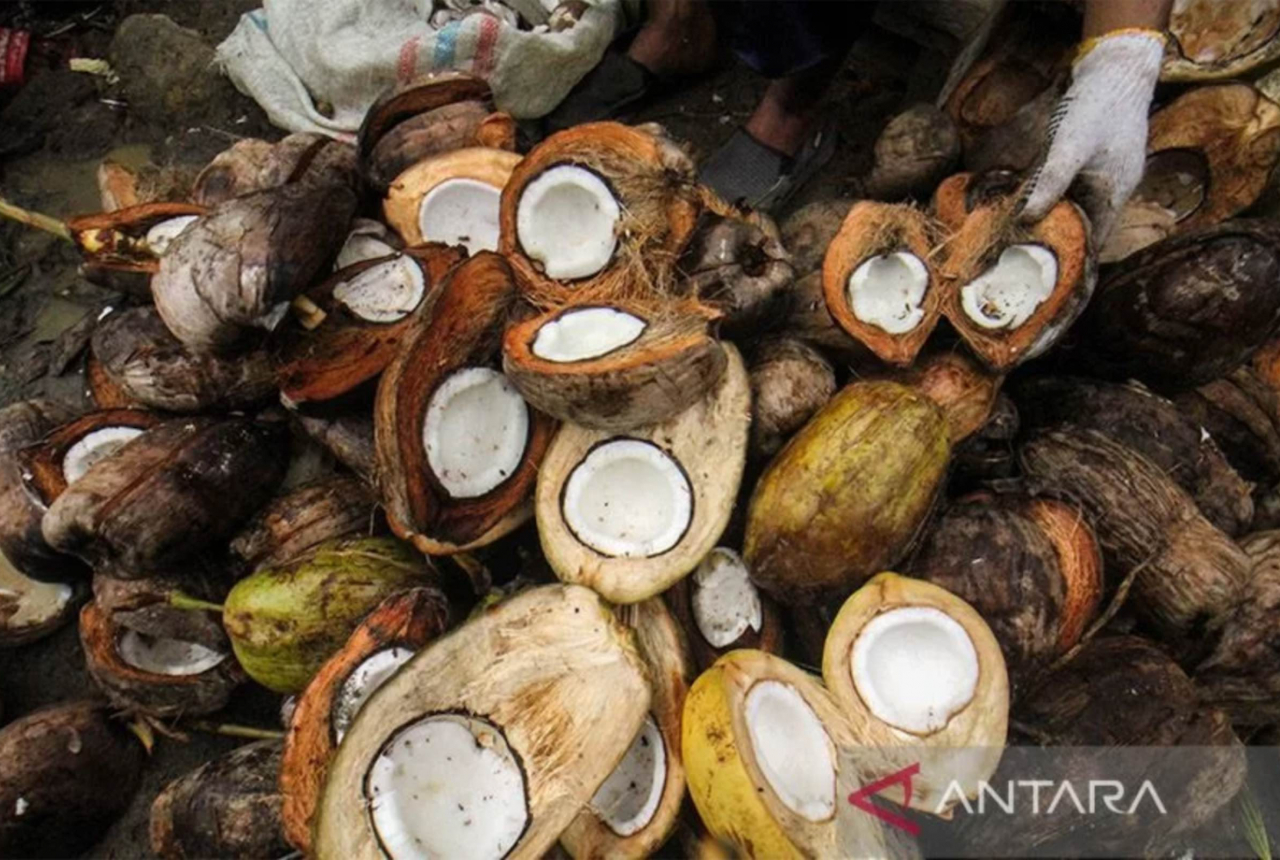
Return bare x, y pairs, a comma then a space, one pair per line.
1098, 133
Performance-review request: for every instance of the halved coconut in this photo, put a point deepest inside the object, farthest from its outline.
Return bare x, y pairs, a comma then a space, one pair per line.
489, 742
879, 280
629, 514
132, 239
458, 447
29, 609
1213, 40
386, 639
614, 366
451, 198
920, 677
152, 675
368, 240
369, 307
721, 610
964, 390
1014, 291
21, 424
636, 808
67, 453
597, 213
161, 606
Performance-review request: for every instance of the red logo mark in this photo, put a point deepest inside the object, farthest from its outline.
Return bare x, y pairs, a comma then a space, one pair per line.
862, 799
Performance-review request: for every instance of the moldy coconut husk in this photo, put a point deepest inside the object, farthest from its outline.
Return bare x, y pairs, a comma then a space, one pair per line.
452, 198
1211, 40
1154, 427
1191, 573
1163, 316
516, 718
917, 149
349, 438
642, 206
66, 774
1242, 413
392, 632
617, 365
965, 391
228, 807
286, 621
30, 609
721, 610
146, 364
22, 424
790, 382
895, 638
236, 269
159, 606
631, 513
167, 495
67, 453
369, 307
458, 448
637, 807
848, 494
1013, 291
157, 676
132, 239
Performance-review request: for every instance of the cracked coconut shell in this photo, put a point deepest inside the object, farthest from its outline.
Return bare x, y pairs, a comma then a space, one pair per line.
21, 541
51, 464
124, 241
790, 382
1210, 40
30, 609
683, 599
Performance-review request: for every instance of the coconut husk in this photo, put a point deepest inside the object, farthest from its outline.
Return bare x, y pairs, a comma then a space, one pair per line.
1242, 414
1017, 144
917, 149
31, 610
349, 438
118, 240
1212, 41
233, 172
308, 158
102, 390
738, 265
156, 606
436, 131
43, 463
22, 424
412, 100
790, 382
988, 457
808, 231
965, 391
404, 196
768, 637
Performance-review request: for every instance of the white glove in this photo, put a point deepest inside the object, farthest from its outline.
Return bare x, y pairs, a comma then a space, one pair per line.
1098, 134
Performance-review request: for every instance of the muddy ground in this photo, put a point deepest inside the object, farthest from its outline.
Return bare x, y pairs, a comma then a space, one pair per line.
172, 109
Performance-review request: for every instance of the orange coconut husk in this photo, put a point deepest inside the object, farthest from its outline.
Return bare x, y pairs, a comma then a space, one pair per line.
42, 463
117, 240
964, 390
1214, 40
660, 202
404, 195
1079, 559
105, 392
410, 619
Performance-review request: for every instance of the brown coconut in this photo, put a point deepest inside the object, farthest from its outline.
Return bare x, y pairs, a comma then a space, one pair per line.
102, 390
1242, 414
917, 149
790, 382
309, 158
349, 438
22, 424
30, 609
736, 263
1211, 40
132, 239
72, 449
718, 600
988, 455
232, 172
965, 391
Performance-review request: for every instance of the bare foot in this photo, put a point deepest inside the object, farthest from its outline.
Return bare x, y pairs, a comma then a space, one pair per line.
678, 39
791, 109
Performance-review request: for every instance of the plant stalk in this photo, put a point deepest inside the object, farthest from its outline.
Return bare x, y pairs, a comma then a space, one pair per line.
36, 220
232, 730
178, 600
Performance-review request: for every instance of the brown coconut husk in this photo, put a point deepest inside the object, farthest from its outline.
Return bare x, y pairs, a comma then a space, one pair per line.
458, 125
117, 240
404, 194
411, 100
1242, 415
233, 172
988, 457
1080, 559
790, 381
965, 391
349, 438
42, 463
158, 605
917, 149
312, 159
31, 610
1211, 40
22, 424
103, 391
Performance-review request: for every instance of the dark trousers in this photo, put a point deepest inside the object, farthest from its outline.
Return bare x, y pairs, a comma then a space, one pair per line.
780, 38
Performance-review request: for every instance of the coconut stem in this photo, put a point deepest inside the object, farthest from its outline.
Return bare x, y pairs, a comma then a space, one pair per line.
35, 219
309, 314
232, 730
178, 600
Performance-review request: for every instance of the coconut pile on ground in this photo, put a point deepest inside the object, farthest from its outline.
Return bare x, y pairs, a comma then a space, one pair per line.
553, 492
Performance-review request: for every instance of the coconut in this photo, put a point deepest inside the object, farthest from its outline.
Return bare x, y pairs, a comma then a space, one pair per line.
547, 671
368, 309
630, 204
21, 542
228, 807
1163, 316
629, 514
847, 495
367, 240
1242, 413
175, 490
1152, 426
29, 609
917, 149
236, 269
385, 640
721, 610
988, 456
614, 366
451, 198
161, 606
67, 772
146, 364
349, 438
301, 518
309, 158
637, 807
790, 381
286, 621
1189, 574
1212, 40
1017, 144
102, 390
920, 678
132, 239
233, 172
67, 453
737, 264
964, 391
458, 448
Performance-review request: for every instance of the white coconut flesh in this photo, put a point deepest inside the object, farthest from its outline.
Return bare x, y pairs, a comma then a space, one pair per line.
461, 212
366, 678
567, 219
365, 242
161, 656
161, 236
385, 293
446, 786
1006, 295
914, 668
792, 749
587, 333
627, 800
476, 431
725, 602
94, 447
888, 291
628, 499
24, 601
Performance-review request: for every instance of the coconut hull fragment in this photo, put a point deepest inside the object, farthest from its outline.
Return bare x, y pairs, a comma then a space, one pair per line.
790, 382
22, 424
119, 240
49, 465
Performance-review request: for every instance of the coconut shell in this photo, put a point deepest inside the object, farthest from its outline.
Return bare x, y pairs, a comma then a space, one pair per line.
149, 366
349, 438
769, 638
439, 130
415, 98
492, 167
118, 240
1211, 40
228, 807
848, 494
151, 606
31, 610
965, 391
673, 364
308, 158
790, 382
916, 150
1154, 427
409, 619
43, 463
233, 172
1243, 416
170, 493
22, 424
463, 330
738, 265
67, 772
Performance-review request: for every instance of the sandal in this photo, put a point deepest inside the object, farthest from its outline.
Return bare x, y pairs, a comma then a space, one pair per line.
747, 172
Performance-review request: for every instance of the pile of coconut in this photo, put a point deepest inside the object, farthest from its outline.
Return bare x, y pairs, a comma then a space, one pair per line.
550, 491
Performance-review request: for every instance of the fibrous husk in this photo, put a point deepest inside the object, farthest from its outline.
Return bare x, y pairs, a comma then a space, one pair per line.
235, 270
790, 382
404, 622
669, 364
30, 609
848, 494
548, 681
1154, 427
965, 391
1211, 40
233, 172
102, 390
988, 455
738, 265
461, 335
1242, 414
1017, 144
349, 438
228, 807
718, 600
1191, 572
67, 452
355, 342
67, 772
308, 158
119, 240
1188, 309
642, 541
147, 365
405, 196
21, 424
155, 605
916, 150
164, 497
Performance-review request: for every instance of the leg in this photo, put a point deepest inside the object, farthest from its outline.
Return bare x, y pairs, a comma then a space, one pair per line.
677, 39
